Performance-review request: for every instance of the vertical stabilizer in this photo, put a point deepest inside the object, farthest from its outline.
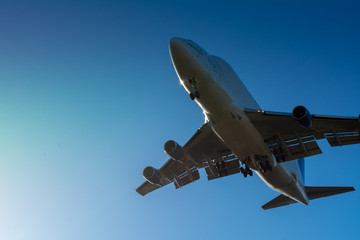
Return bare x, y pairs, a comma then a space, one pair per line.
301, 163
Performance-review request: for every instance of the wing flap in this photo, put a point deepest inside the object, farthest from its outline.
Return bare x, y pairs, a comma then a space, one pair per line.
294, 148
224, 169
186, 178
342, 138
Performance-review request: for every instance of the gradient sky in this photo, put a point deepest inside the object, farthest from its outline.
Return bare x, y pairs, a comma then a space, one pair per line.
88, 97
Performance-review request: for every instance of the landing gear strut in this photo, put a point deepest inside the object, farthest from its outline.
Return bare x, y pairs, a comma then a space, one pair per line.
195, 91
246, 171
221, 167
265, 166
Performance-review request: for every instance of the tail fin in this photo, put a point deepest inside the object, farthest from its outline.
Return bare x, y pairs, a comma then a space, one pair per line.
312, 193
301, 163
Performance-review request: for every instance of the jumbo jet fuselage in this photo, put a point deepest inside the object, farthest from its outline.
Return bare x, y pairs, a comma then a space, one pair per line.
223, 98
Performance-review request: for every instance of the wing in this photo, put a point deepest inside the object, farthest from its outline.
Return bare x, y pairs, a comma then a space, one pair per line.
204, 149
288, 140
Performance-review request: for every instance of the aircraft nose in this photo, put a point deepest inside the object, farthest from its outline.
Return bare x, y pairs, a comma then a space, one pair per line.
176, 45
182, 57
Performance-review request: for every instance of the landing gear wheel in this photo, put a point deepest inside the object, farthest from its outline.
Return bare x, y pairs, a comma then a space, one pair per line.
197, 94
247, 171
195, 91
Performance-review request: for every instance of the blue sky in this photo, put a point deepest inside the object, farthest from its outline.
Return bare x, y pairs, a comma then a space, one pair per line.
88, 97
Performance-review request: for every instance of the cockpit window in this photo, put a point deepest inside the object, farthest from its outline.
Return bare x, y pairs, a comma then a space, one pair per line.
196, 47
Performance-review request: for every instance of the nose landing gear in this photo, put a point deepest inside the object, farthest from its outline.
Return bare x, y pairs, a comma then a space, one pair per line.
195, 91
194, 95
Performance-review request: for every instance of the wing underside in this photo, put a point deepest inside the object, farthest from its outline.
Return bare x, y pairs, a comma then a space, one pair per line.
288, 140
285, 137
205, 150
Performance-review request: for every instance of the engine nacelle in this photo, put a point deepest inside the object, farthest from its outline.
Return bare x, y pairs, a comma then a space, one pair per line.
302, 116
174, 150
152, 175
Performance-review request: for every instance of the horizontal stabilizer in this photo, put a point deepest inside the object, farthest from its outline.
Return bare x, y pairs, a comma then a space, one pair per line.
312, 193
279, 201
319, 192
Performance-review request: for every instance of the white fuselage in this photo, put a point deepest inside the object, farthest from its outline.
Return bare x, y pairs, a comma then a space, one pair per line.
223, 98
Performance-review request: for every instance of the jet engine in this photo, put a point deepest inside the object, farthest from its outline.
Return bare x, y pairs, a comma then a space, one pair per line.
152, 175
174, 150
302, 116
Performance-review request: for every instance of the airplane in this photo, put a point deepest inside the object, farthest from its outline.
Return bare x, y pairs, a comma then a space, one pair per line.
239, 137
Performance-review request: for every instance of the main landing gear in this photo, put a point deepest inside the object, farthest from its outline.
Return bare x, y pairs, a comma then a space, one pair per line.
246, 171
265, 166
221, 167
195, 91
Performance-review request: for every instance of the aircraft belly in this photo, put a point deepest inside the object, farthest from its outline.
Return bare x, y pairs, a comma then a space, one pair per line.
239, 134
280, 180
243, 140
277, 179
231, 124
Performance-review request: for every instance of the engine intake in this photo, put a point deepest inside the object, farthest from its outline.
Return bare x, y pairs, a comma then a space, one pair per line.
152, 175
302, 116
174, 150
